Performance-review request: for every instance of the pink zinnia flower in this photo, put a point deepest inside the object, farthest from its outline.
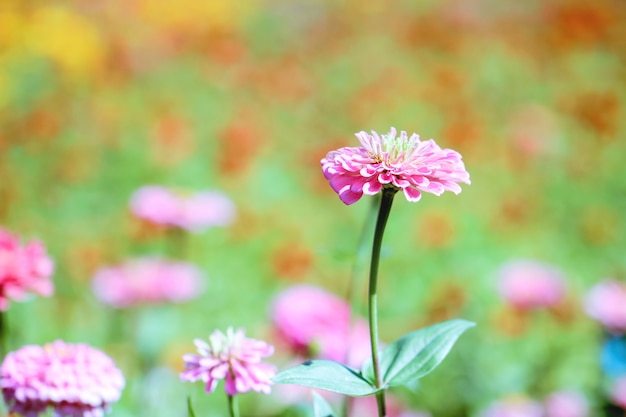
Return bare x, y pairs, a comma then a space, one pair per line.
529, 284
23, 269
232, 357
405, 163
75, 380
194, 212
566, 404
606, 303
147, 280
314, 322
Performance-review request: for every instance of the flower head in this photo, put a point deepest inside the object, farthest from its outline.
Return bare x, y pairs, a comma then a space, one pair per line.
402, 162
75, 380
606, 303
194, 212
147, 280
233, 357
23, 269
529, 284
314, 322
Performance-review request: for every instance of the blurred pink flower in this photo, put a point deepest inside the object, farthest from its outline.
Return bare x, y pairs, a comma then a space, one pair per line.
155, 204
75, 380
233, 357
529, 284
403, 162
515, 406
314, 322
566, 404
194, 212
23, 269
147, 280
618, 392
606, 303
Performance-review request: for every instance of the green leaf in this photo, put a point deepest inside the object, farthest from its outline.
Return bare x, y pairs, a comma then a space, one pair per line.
327, 375
417, 353
321, 408
190, 412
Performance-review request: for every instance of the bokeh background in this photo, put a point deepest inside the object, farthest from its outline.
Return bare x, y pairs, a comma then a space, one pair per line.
99, 98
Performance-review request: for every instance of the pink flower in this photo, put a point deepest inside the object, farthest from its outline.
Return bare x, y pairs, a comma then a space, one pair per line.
194, 212
403, 162
147, 280
528, 284
606, 303
233, 357
23, 269
566, 404
314, 322
155, 204
75, 380
514, 407
618, 392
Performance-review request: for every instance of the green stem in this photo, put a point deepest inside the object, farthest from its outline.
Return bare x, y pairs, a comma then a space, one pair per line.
383, 215
359, 261
177, 241
233, 409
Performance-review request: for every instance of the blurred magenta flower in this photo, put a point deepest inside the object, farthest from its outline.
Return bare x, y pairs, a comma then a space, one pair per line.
232, 357
194, 212
74, 379
566, 403
516, 406
147, 280
527, 284
314, 322
606, 303
403, 162
23, 269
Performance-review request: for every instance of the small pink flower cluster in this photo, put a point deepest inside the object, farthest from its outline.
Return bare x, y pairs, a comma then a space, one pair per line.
194, 212
316, 323
233, 357
75, 380
403, 162
23, 269
528, 285
147, 280
606, 303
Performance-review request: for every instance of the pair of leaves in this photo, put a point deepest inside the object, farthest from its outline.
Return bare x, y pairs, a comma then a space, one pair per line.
407, 359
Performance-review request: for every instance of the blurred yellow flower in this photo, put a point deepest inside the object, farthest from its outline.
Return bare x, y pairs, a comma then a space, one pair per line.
66, 38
